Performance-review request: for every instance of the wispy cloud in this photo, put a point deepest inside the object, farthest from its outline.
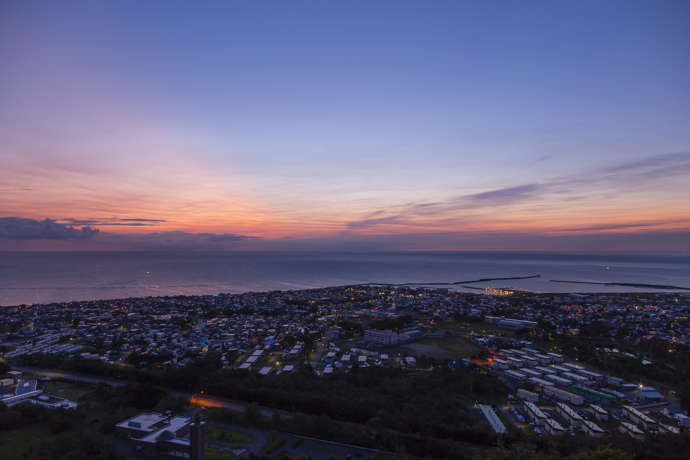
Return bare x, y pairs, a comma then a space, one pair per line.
574, 187
498, 197
651, 163
366, 223
176, 240
113, 222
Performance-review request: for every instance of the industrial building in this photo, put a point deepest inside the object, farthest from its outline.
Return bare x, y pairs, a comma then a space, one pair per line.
527, 395
594, 396
599, 412
553, 427
563, 395
492, 418
592, 429
631, 430
638, 417
573, 418
534, 413
516, 375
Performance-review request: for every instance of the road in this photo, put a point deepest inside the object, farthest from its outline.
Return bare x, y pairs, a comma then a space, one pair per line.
210, 401
197, 399
69, 376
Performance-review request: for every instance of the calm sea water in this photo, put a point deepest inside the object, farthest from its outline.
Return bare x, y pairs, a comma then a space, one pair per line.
42, 277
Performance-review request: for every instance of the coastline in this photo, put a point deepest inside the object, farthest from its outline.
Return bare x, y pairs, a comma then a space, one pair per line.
636, 285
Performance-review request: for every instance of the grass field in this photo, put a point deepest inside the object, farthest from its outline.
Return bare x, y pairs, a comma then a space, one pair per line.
274, 443
444, 348
229, 436
478, 327
212, 453
67, 390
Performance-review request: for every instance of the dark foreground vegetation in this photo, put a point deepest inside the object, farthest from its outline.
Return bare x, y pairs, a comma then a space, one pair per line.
412, 414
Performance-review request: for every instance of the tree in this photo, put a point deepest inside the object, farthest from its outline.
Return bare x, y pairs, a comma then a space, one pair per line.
603, 453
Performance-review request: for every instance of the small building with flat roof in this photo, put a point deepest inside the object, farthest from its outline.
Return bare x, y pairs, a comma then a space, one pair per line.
592, 429
599, 412
492, 418
638, 417
631, 430
553, 427
565, 411
155, 434
534, 413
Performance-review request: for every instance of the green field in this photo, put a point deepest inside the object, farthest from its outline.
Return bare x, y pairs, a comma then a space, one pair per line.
274, 443
67, 390
212, 453
478, 327
447, 347
229, 436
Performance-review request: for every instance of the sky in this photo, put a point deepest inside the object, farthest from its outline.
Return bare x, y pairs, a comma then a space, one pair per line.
351, 125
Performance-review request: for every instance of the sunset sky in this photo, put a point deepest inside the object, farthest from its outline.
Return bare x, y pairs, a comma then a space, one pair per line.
353, 125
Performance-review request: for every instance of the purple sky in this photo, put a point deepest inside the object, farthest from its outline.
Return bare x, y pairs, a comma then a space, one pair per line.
345, 125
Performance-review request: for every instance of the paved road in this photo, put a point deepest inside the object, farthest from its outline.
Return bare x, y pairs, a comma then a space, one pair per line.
194, 398
212, 401
69, 376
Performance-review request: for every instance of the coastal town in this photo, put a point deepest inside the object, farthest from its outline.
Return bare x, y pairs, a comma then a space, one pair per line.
528, 341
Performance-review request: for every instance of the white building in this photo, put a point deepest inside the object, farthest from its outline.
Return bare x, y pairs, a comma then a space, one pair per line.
631, 430
492, 418
534, 413
592, 429
573, 418
599, 412
638, 417
553, 427
527, 395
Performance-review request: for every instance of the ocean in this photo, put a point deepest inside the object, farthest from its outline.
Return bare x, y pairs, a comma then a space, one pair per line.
44, 277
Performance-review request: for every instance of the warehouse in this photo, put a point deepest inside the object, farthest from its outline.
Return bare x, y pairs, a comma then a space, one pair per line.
543, 359
500, 363
534, 413
527, 395
553, 427
563, 395
591, 375
631, 430
541, 382
560, 369
592, 429
638, 417
516, 375
565, 411
575, 377
556, 357
560, 381
492, 418
544, 370
530, 372
594, 395
599, 412
530, 361
573, 367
